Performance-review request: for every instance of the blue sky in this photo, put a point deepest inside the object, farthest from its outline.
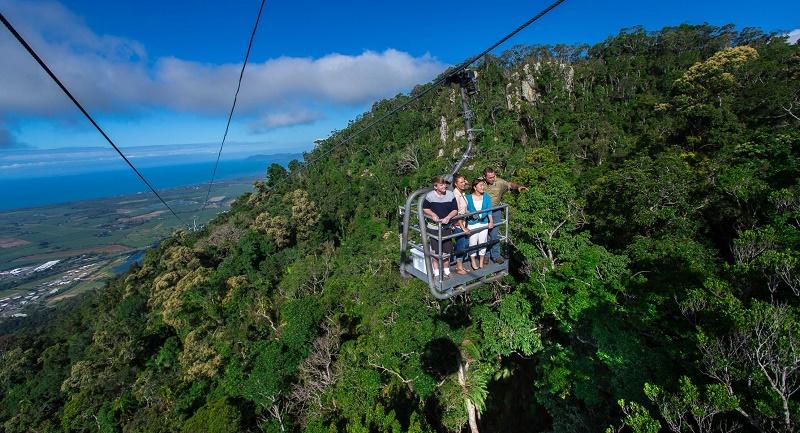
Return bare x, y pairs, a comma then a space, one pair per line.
164, 72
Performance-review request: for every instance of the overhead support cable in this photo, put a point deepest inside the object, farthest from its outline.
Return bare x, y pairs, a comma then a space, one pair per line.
72, 98
429, 89
233, 106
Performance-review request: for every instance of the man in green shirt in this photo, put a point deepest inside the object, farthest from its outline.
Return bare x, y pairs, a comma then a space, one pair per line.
496, 187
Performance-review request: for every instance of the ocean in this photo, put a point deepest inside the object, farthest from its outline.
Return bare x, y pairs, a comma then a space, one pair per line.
46, 190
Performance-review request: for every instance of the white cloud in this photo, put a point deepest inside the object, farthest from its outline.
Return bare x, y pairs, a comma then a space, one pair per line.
283, 119
96, 68
334, 78
793, 36
113, 74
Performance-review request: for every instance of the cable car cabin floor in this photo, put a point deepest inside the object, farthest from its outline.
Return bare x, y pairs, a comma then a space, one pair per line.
455, 279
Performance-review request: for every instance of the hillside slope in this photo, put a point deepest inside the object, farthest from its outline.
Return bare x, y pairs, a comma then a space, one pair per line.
654, 276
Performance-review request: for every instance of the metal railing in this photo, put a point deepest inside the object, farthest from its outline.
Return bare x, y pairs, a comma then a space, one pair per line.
438, 286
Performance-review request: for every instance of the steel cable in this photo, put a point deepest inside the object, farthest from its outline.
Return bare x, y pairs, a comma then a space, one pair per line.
233, 106
66, 91
416, 97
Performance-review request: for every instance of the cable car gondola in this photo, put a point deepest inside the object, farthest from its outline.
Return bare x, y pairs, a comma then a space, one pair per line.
416, 255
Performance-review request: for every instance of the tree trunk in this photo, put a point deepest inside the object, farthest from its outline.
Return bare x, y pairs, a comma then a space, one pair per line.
472, 414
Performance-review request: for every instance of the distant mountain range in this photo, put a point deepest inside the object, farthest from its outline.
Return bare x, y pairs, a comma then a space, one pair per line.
29, 162
275, 157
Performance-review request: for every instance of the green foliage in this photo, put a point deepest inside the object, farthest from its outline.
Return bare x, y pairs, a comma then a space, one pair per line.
266, 375
655, 274
215, 417
300, 318
689, 408
275, 173
510, 329
637, 418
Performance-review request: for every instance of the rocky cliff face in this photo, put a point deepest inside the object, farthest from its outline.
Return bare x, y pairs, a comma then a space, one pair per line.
522, 86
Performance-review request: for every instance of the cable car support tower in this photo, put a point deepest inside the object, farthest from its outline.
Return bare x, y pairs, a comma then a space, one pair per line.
417, 258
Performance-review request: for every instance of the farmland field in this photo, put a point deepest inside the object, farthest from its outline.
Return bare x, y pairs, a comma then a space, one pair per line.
54, 252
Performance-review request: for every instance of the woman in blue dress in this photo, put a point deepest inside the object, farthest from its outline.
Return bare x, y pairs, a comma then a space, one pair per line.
479, 224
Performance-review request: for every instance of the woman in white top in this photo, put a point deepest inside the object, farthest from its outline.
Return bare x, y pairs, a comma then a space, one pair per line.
476, 201
460, 224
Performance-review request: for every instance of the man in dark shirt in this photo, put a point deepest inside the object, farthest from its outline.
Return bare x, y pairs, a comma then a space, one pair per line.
440, 206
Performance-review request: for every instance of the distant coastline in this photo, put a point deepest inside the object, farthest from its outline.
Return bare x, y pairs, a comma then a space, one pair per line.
50, 190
